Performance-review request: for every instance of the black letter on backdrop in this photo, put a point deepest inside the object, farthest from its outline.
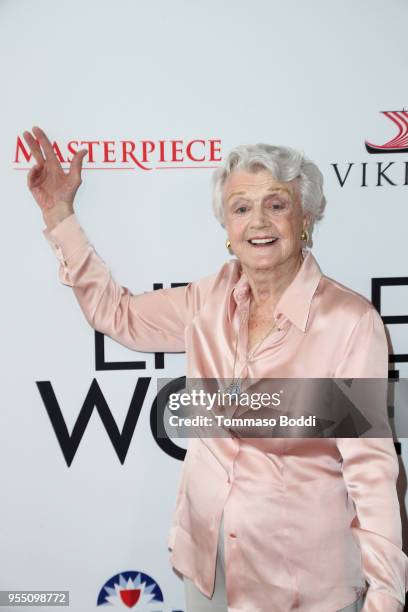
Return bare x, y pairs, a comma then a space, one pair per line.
95, 399
376, 285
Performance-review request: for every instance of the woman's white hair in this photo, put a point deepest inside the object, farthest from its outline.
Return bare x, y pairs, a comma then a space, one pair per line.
285, 164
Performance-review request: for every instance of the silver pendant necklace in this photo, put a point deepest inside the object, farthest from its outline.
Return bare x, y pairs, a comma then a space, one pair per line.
234, 388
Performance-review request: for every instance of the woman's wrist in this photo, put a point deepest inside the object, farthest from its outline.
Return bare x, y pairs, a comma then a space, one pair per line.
58, 213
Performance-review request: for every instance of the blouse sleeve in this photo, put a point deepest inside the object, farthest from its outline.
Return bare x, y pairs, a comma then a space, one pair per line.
370, 470
154, 321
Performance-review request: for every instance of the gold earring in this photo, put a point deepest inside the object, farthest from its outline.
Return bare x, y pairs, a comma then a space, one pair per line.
305, 236
228, 245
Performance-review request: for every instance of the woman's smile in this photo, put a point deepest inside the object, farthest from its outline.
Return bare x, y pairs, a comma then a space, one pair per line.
263, 242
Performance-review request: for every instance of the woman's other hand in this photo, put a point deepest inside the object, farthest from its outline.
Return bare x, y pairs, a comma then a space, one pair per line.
53, 189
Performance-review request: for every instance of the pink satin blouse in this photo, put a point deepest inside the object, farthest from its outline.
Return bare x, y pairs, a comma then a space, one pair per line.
309, 523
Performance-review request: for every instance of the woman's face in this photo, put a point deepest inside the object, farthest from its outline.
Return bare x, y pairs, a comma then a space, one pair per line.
258, 206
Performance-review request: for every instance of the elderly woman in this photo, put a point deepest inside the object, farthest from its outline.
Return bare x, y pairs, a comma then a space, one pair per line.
305, 524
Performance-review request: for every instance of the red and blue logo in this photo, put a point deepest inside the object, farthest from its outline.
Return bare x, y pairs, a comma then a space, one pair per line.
132, 590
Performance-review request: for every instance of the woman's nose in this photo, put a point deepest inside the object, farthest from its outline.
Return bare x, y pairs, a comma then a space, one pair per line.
258, 218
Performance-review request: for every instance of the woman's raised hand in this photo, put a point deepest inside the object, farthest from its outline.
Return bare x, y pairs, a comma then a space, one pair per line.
53, 189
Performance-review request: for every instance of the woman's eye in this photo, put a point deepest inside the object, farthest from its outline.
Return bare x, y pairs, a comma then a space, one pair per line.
241, 209
278, 205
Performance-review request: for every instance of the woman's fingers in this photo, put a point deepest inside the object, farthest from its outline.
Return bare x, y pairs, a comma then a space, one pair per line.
46, 145
76, 164
46, 180
34, 147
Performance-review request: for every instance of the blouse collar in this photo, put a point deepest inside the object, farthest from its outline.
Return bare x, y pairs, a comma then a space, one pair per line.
295, 301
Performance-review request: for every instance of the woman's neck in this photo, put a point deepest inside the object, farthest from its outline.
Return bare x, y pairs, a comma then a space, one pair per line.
267, 286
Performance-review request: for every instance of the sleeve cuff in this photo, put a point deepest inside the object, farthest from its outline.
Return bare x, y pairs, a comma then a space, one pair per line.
66, 238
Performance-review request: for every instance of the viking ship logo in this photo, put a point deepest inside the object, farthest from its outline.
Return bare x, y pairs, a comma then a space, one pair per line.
398, 144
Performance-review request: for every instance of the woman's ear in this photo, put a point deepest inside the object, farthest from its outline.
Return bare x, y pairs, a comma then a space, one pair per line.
306, 221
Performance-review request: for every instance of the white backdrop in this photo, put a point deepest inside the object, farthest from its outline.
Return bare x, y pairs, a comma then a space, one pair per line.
314, 75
